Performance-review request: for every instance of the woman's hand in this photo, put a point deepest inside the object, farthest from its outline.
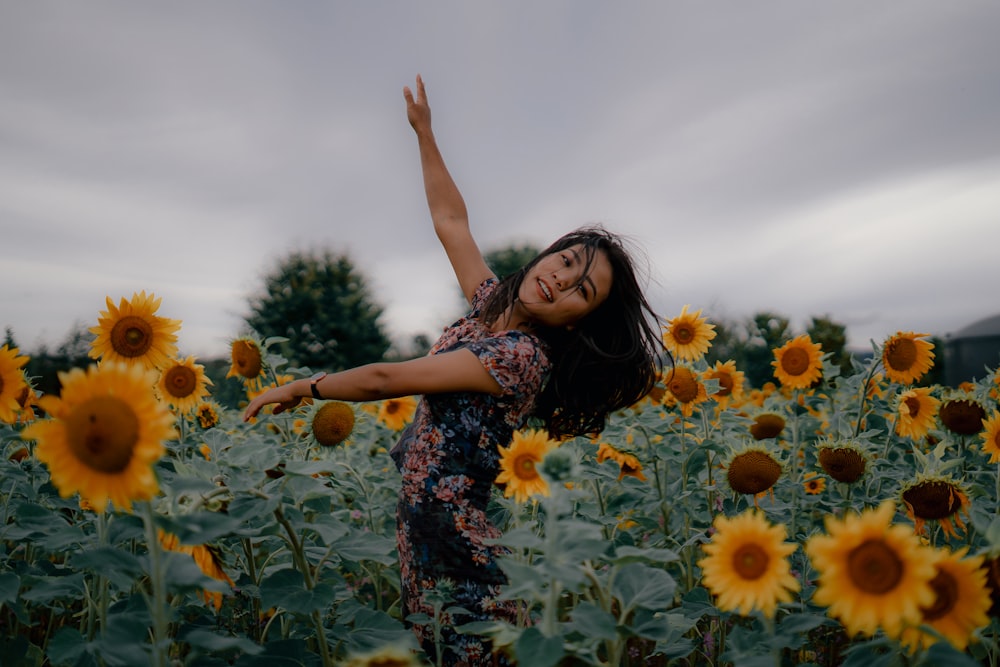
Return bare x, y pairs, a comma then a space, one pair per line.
284, 396
417, 110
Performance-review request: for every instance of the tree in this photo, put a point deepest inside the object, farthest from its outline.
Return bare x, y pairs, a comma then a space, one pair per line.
832, 338
767, 332
322, 304
508, 260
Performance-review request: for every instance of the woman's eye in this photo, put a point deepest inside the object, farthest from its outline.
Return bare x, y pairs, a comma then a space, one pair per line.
565, 260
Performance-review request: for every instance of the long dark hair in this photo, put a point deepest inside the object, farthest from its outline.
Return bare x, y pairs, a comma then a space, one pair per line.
609, 359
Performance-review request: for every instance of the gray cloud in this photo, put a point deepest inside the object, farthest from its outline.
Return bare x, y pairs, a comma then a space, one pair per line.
836, 159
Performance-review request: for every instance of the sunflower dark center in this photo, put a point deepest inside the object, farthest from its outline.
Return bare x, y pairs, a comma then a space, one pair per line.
725, 384
683, 333
683, 385
946, 595
246, 358
750, 561
181, 381
333, 423
933, 500
767, 426
391, 408
753, 472
207, 416
874, 567
912, 406
795, 361
901, 354
131, 336
102, 433
524, 467
842, 463
962, 417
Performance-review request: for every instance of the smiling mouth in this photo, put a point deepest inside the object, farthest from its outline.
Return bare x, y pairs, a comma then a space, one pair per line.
546, 292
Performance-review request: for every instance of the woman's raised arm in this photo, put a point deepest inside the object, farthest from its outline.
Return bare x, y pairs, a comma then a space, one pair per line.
447, 207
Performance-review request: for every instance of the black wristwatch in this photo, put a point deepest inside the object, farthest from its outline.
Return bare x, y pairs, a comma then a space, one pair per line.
312, 384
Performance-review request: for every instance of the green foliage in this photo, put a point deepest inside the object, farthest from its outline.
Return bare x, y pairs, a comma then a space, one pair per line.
321, 303
606, 566
507, 260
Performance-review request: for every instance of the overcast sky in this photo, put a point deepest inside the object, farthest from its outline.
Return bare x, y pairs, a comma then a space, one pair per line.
836, 159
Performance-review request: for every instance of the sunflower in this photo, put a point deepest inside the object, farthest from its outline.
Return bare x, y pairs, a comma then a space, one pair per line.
133, 334
518, 465
798, 363
247, 362
396, 413
207, 414
843, 460
906, 357
872, 573
688, 335
747, 564
12, 383
183, 384
961, 605
991, 437
731, 383
916, 413
813, 484
104, 434
683, 384
962, 416
386, 656
935, 498
767, 424
752, 470
207, 560
628, 464
332, 423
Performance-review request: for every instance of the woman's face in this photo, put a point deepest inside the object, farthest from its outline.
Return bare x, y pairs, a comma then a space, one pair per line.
561, 289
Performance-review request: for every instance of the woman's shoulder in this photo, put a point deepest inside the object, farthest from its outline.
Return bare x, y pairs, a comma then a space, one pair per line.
482, 294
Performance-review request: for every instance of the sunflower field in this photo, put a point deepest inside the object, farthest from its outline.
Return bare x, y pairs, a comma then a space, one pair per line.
824, 519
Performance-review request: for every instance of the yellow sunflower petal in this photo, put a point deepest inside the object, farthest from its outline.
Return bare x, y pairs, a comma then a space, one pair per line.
747, 566
103, 434
872, 574
519, 465
132, 333
798, 363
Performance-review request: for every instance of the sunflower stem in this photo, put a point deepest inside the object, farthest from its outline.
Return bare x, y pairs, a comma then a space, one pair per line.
158, 605
864, 395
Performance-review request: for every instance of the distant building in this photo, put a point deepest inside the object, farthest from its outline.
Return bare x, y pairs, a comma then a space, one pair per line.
971, 350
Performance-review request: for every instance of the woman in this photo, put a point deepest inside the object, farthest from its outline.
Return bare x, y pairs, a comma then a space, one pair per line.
567, 340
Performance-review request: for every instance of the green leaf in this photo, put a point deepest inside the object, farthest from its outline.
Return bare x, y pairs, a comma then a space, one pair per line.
642, 586
628, 554
286, 589
120, 567
943, 654
199, 527
211, 642
361, 546
533, 649
46, 589
66, 647
10, 584
593, 622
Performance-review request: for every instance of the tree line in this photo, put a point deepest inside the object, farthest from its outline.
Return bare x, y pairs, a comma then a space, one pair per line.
321, 304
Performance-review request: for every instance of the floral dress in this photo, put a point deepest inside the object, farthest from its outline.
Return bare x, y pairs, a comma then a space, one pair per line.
449, 458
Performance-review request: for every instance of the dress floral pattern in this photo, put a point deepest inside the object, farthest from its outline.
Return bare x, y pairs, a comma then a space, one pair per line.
449, 457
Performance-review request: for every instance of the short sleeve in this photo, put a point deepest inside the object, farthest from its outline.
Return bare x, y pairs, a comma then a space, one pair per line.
516, 361
483, 293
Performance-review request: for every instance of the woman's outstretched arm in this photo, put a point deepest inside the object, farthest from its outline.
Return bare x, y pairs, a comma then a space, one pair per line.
447, 207
460, 370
